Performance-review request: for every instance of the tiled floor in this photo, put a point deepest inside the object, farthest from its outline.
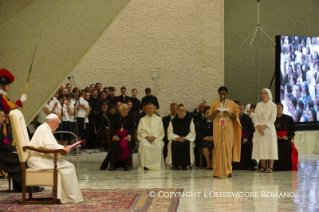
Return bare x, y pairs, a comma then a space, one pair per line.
204, 193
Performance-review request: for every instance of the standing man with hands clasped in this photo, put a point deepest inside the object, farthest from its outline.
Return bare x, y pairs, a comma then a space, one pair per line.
229, 118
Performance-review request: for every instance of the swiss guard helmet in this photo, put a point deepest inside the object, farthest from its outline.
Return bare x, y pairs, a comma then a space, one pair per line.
5, 77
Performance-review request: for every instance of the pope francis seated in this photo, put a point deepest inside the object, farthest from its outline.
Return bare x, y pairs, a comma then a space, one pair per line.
68, 187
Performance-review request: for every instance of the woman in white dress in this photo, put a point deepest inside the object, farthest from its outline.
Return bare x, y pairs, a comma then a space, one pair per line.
265, 138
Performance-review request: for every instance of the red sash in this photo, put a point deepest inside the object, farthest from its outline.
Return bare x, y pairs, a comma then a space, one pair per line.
124, 144
282, 133
6, 141
244, 134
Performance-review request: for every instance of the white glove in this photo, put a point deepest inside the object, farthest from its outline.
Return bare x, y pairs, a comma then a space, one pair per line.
23, 98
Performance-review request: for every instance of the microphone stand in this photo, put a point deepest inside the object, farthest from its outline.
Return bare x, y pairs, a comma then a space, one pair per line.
61, 129
75, 103
223, 140
256, 31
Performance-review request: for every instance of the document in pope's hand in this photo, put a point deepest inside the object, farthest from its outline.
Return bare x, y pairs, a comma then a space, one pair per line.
76, 144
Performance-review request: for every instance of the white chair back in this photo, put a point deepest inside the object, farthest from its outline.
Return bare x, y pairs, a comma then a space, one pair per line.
20, 133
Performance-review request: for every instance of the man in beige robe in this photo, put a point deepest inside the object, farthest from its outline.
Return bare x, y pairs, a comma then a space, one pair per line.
232, 133
68, 187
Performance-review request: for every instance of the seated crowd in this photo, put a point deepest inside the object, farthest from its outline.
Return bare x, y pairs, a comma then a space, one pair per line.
299, 82
113, 122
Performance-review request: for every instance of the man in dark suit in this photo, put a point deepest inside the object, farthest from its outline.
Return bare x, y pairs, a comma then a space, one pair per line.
149, 98
98, 87
200, 116
166, 121
131, 112
111, 96
103, 124
141, 115
95, 105
123, 97
197, 119
103, 97
136, 102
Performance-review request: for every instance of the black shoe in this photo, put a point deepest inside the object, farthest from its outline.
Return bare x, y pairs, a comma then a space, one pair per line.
145, 168
112, 168
102, 168
37, 189
185, 168
230, 175
127, 168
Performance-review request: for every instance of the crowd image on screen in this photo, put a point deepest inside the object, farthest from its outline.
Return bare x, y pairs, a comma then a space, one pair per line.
299, 81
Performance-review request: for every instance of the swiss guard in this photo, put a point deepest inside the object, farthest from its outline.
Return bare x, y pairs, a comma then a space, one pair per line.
6, 78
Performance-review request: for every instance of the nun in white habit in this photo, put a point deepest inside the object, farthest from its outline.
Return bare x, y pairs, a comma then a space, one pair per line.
265, 137
68, 187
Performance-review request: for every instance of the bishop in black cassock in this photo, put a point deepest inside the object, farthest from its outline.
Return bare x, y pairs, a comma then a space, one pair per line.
246, 142
285, 128
122, 142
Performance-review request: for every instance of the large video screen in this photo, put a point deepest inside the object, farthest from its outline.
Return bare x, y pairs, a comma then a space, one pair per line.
299, 76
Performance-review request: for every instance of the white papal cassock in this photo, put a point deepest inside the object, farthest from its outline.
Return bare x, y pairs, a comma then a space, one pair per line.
150, 155
68, 187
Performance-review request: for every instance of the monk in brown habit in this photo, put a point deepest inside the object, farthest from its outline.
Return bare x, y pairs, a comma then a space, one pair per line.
232, 133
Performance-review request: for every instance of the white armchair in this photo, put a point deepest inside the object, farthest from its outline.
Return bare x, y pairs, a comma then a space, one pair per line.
32, 177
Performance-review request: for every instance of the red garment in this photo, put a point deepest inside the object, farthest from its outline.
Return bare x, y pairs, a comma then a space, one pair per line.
281, 133
124, 144
294, 157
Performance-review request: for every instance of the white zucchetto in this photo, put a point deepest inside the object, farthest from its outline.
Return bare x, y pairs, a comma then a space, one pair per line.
52, 116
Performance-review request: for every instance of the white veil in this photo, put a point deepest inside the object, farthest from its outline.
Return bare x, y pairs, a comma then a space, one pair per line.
269, 93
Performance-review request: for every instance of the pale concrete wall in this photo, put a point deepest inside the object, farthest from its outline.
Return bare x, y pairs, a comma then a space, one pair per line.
63, 30
184, 40
285, 17
8, 9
